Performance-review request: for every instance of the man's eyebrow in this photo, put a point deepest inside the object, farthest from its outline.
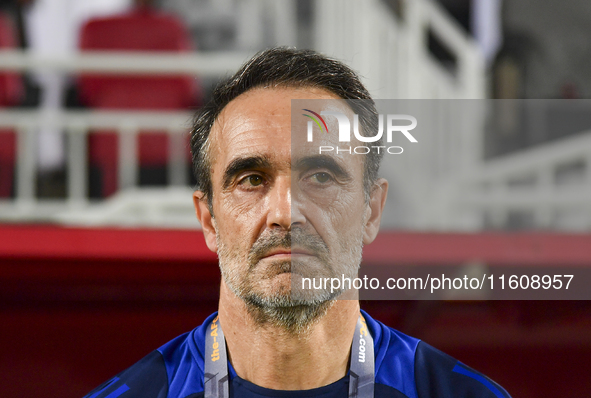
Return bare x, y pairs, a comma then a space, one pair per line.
238, 165
322, 162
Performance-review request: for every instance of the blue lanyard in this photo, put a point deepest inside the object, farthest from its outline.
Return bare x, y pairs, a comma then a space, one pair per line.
361, 373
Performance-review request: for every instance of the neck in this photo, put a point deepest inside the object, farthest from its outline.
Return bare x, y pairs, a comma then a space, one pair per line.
272, 357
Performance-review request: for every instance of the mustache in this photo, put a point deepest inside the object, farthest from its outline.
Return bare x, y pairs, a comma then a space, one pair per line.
296, 237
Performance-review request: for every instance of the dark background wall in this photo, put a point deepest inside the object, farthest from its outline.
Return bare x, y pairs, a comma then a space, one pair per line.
79, 305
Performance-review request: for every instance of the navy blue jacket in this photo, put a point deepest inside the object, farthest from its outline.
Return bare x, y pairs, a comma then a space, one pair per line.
405, 368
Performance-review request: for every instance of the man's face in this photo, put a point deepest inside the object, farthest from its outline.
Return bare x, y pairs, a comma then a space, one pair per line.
280, 211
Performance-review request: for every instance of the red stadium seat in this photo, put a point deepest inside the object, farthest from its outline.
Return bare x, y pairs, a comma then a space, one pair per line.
11, 91
142, 29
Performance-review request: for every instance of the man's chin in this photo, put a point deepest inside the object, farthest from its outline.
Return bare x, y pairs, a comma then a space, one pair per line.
287, 309
294, 316
274, 295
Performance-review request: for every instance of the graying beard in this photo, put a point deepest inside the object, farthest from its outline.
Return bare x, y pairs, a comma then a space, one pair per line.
292, 314
294, 319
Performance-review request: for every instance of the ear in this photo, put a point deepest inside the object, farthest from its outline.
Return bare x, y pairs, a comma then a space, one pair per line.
377, 201
206, 220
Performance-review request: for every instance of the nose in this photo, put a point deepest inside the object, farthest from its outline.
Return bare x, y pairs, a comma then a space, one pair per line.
297, 215
280, 209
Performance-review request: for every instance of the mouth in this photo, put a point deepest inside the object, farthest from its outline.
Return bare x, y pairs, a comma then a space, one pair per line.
287, 254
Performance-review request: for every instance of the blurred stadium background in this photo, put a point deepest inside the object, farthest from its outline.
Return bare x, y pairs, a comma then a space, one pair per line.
101, 257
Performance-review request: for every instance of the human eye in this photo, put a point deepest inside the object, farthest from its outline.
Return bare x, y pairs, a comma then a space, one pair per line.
252, 181
321, 177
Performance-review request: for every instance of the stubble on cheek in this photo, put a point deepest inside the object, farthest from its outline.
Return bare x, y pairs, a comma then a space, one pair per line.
241, 267
233, 265
273, 298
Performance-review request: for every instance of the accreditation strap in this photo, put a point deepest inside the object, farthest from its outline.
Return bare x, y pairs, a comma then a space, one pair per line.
215, 376
361, 372
362, 369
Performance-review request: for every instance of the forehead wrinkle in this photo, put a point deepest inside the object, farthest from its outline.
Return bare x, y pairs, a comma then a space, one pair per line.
270, 114
234, 126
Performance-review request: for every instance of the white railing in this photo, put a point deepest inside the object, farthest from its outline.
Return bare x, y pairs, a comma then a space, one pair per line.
77, 124
392, 55
210, 64
443, 182
550, 184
